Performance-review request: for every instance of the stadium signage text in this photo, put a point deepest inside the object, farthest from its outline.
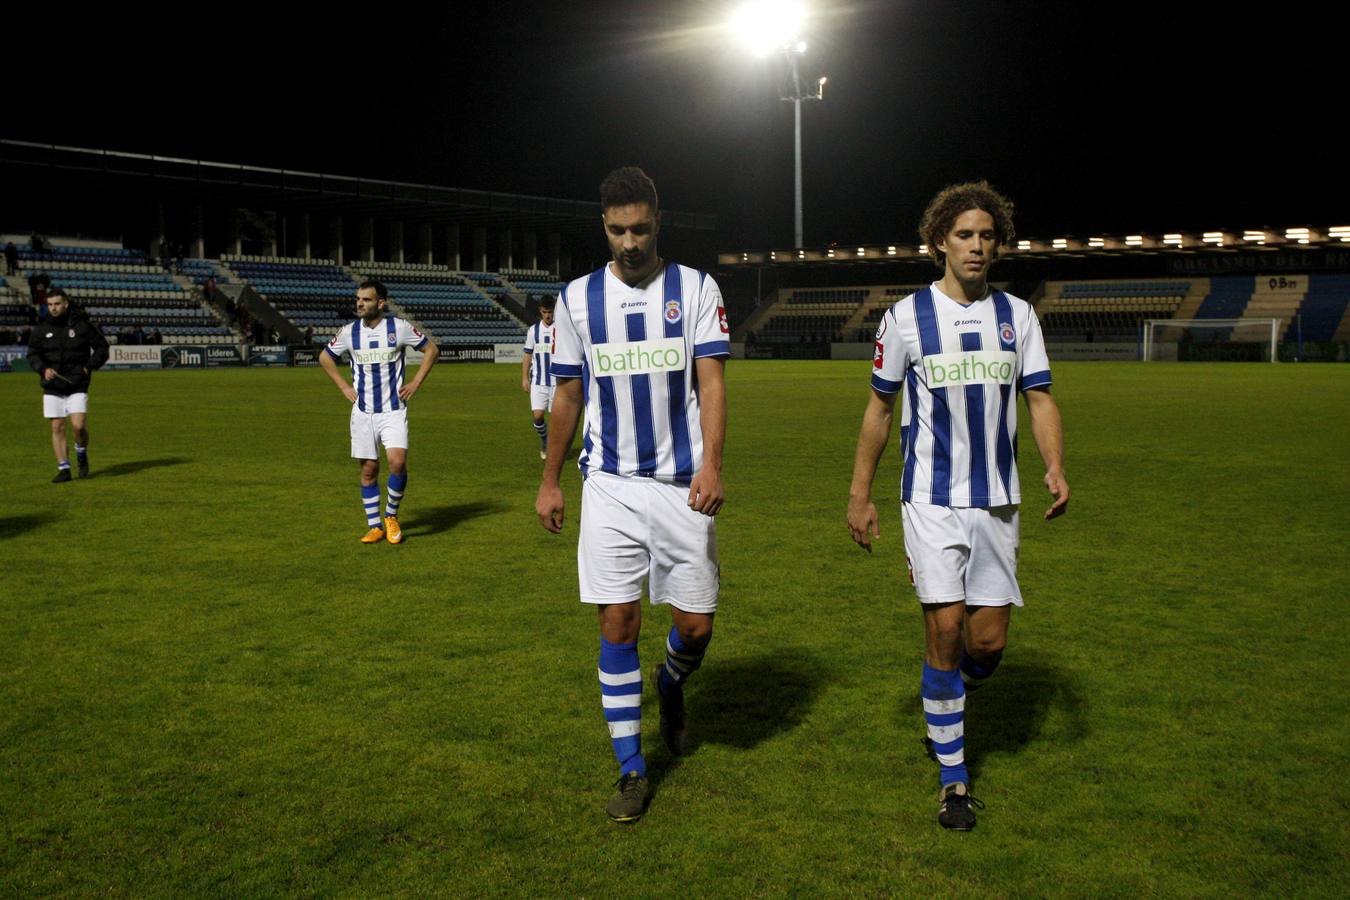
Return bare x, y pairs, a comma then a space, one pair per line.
224, 356
124, 355
973, 367
639, 357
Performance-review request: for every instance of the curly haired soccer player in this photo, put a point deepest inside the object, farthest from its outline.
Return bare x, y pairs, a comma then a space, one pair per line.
960, 352
649, 337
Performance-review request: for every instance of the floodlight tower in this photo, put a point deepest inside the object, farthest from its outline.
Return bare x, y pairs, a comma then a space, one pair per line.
774, 27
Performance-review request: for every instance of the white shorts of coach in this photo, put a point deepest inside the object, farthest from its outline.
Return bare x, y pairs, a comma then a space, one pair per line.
963, 553
541, 396
371, 430
54, 407
636, 529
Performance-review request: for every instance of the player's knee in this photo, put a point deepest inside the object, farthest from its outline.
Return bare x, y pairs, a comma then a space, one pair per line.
694, 634
946, 637
58, 426
988, 644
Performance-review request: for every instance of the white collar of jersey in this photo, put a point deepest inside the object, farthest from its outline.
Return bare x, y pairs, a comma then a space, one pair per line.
643, 284
937, 289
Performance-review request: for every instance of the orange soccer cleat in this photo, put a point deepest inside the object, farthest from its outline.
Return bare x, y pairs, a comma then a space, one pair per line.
373, 536
392, 530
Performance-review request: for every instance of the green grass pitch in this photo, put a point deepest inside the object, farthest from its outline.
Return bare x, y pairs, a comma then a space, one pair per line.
208, 687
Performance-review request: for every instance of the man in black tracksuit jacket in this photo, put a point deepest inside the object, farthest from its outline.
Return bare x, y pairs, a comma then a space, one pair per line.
64, 350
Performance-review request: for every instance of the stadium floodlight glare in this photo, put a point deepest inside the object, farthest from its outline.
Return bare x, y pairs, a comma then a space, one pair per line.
923, 249
1024, 245
1060, 243
774, 26
1134, 240
766, 26
1096, 243
1254, 237
1302, 235
890, 251
1340, 233
1212, 237
1175, 240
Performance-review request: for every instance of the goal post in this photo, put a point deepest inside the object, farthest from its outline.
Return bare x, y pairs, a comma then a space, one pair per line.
1211, 339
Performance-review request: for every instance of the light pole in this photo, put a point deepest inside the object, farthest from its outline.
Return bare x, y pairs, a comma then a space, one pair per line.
796, 96
774, 26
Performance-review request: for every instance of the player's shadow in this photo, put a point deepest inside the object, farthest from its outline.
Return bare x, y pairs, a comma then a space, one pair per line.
139, 465
443, 518
744, 702
13, 526
1026, 700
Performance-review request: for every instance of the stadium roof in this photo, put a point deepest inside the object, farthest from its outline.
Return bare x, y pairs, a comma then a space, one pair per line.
316, 192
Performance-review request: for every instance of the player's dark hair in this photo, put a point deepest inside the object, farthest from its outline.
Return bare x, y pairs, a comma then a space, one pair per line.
548, 301
626, 186
951, 201
381, 292
58, 292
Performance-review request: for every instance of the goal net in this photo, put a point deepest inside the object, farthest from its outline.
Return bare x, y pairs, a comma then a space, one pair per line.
1211, 340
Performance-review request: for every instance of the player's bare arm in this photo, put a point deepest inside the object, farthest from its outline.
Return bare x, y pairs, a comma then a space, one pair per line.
525, 371
1048, 430
705, 490
548, 505
326, 363
863, 525
429, 357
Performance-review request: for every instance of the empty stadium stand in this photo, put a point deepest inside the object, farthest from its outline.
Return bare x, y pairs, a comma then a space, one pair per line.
453, 307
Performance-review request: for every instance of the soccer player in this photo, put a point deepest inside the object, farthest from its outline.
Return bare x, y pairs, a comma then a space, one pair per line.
536, 372
379, 399
65, 349
649, 338
958, 350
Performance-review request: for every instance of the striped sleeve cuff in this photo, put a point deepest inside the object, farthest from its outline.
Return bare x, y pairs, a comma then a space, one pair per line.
1034, 380
882, 386
563, 370
712, 348
329, 351
421, 345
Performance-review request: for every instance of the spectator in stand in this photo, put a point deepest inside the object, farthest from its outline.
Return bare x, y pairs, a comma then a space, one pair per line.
154, 337
309, 335
209, 289
11, 259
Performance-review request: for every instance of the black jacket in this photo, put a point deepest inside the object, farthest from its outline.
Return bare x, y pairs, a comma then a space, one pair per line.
70, 344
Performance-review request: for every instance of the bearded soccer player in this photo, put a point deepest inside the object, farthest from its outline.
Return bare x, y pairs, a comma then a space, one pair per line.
649, 338
960, 352
377, 343
536, 370
65, 348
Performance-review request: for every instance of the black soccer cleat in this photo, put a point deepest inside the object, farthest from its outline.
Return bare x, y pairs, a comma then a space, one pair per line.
630, 801
957, 811
83, 463
674, 728
62, 476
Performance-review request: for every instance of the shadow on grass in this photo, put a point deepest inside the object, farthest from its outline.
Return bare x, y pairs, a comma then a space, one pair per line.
744, 702
443, 518
13, 526
140, 465
1009, 711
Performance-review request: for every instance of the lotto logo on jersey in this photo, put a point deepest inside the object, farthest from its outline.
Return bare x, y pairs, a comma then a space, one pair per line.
722, 319
974, 367
638, 357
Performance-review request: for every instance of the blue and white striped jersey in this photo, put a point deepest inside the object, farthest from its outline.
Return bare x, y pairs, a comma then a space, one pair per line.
957, 366
377, 360
539, 344
634, 349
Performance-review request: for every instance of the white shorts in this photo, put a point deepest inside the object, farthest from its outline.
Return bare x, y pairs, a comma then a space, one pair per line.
54, 407
962, 553
541, 396
370, 430
636, 529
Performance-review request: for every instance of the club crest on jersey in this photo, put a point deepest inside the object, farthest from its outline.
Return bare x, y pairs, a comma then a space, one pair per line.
673, 311
1005, 331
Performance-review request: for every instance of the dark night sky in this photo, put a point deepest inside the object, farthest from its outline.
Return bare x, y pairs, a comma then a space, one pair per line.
1093, 117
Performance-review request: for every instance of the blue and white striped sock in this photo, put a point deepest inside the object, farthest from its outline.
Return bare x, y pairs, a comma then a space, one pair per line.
80, 452
944, 708
621, 696
681, 661
541, 429
395, 494
975, 672
63, 464
370, 499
